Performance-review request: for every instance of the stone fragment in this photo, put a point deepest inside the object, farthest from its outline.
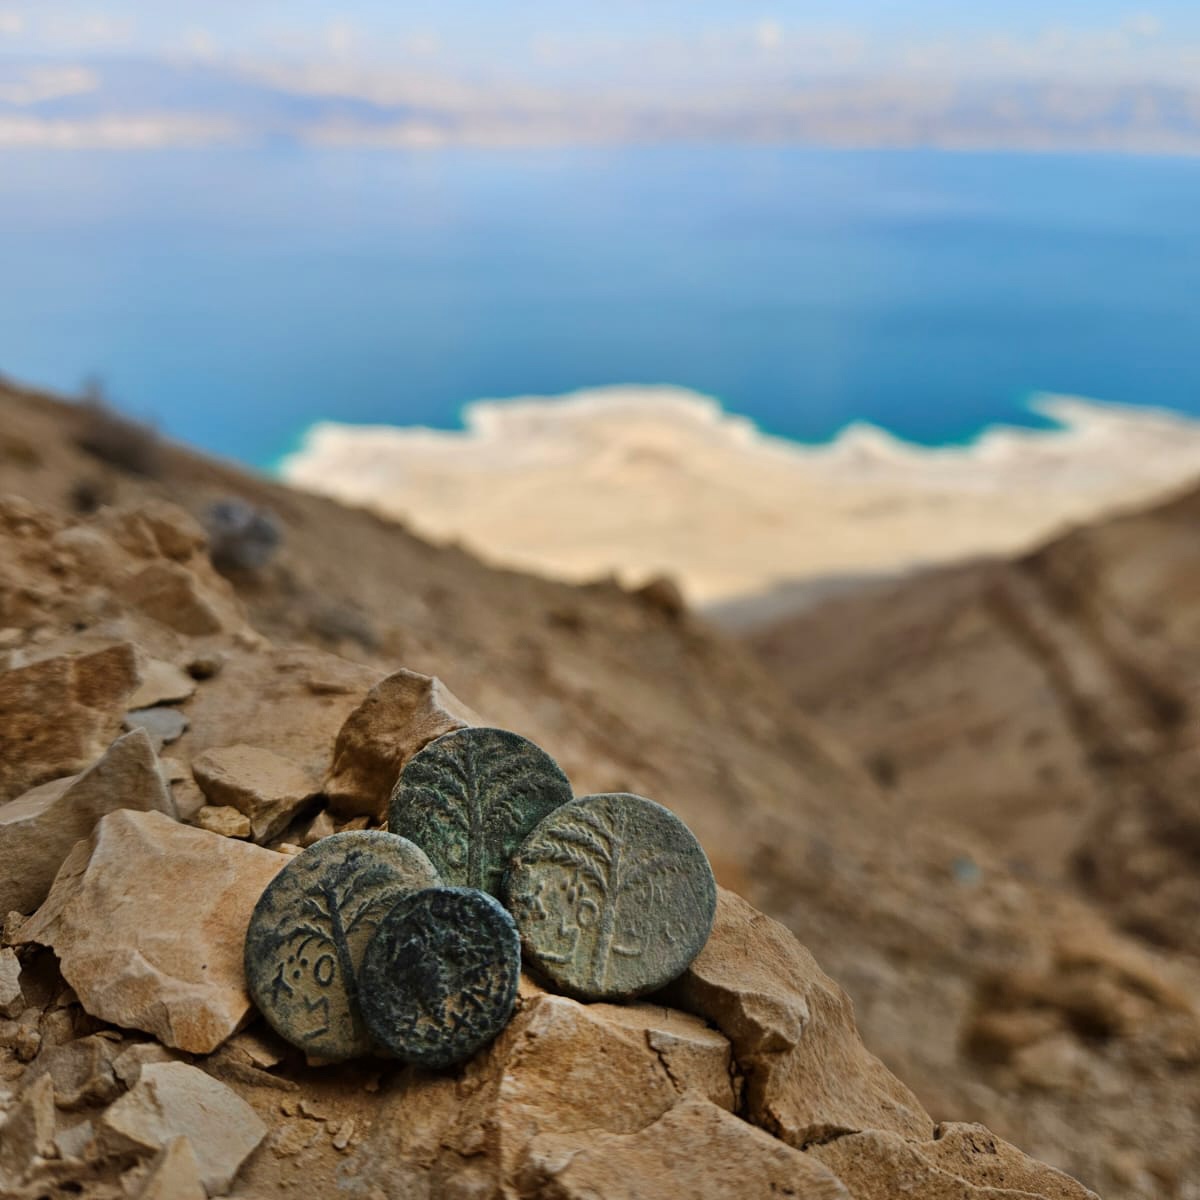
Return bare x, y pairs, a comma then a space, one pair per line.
613, 896
439, 978
976, 1165
164, 725
399, 716
808, 1075
82, 1072
696, 1150
73, 1140
173, 1100
127, 1066
269, 789
321, 826
152, 528
471, 797
174, 1174
170, 593
59, 715
27, 1133
207, 665
38, 830
12, 999
228, 822
309, 931
162, 683
148, 918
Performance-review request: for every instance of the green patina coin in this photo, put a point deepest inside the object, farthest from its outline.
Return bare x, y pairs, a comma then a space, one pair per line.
311, 927
471, 797
613, 897
439, 978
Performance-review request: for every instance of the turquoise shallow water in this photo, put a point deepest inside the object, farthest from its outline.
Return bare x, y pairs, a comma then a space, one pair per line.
236, 297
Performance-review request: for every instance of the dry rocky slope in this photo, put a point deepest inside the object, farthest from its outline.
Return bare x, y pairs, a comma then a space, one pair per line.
179, 712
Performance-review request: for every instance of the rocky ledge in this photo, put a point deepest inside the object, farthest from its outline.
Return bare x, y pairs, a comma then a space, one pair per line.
133, 849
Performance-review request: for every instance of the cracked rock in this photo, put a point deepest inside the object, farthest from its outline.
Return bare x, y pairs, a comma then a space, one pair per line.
267, 788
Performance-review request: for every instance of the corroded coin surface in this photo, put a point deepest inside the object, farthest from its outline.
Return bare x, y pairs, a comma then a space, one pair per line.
613, 896
471, 797
310, 930
439, 979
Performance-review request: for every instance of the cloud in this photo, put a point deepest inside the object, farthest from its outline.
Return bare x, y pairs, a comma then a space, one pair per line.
35, 84
11, 22
149, 131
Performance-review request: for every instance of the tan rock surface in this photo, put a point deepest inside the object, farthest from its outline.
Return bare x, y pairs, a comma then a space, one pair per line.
162, 683
174, 1174
808, 1075
27, 1133
222, 819
58, 715
38, 830
171, 1101
264, 786
148, 919
399, 716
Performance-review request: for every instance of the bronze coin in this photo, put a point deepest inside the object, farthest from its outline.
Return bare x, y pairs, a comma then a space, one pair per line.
471, 797
309, 931
439, 979
613, 897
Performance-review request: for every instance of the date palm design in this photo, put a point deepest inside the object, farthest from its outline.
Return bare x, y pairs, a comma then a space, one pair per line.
338, 904
471, 797
594, 845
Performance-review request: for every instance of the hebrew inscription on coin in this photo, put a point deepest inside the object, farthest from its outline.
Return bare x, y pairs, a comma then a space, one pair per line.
311, 927
471, 797
439, 979
613, 897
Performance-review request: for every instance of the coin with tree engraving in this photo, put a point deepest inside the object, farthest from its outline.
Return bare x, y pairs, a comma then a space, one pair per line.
471, 797
309, 931
613, 896
439, 978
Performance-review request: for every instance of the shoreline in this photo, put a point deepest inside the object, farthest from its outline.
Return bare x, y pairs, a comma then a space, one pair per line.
640, 481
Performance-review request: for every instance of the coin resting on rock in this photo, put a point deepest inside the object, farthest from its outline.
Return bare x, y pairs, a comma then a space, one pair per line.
612, 895
311, 927
471, 797
439, 978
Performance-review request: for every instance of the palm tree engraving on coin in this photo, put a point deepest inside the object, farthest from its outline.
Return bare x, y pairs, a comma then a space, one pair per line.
613, 896
439, 979
310, 929
470, 798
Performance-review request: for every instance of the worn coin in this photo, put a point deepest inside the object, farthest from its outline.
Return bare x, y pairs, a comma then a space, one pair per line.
613, 896
439, 978
471, 797
311, 927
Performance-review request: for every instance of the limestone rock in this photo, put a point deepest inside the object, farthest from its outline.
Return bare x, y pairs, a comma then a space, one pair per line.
82, 1071
695, 1149
269, 789
164, 725
148, 917
58, 715
174, 1174
38, 830
967, 1163
170, 593
808, 1075
173, 1100
12, 999
27, 1132
399, 716
162, 683
226, 821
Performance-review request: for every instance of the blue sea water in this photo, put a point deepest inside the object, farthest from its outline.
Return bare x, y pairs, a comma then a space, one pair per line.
237, 296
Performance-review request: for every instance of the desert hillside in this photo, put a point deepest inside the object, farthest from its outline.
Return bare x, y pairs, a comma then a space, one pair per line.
988, 933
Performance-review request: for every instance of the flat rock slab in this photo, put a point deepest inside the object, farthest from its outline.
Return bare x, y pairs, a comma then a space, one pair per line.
397, 717
58, 715
268, 788
148, 918
439, 978
469, 800
163, 724
162, 683
173, 1100
311, 927
613, 896
38, 830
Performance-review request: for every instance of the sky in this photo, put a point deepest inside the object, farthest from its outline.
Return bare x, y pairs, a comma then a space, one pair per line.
1099, 73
